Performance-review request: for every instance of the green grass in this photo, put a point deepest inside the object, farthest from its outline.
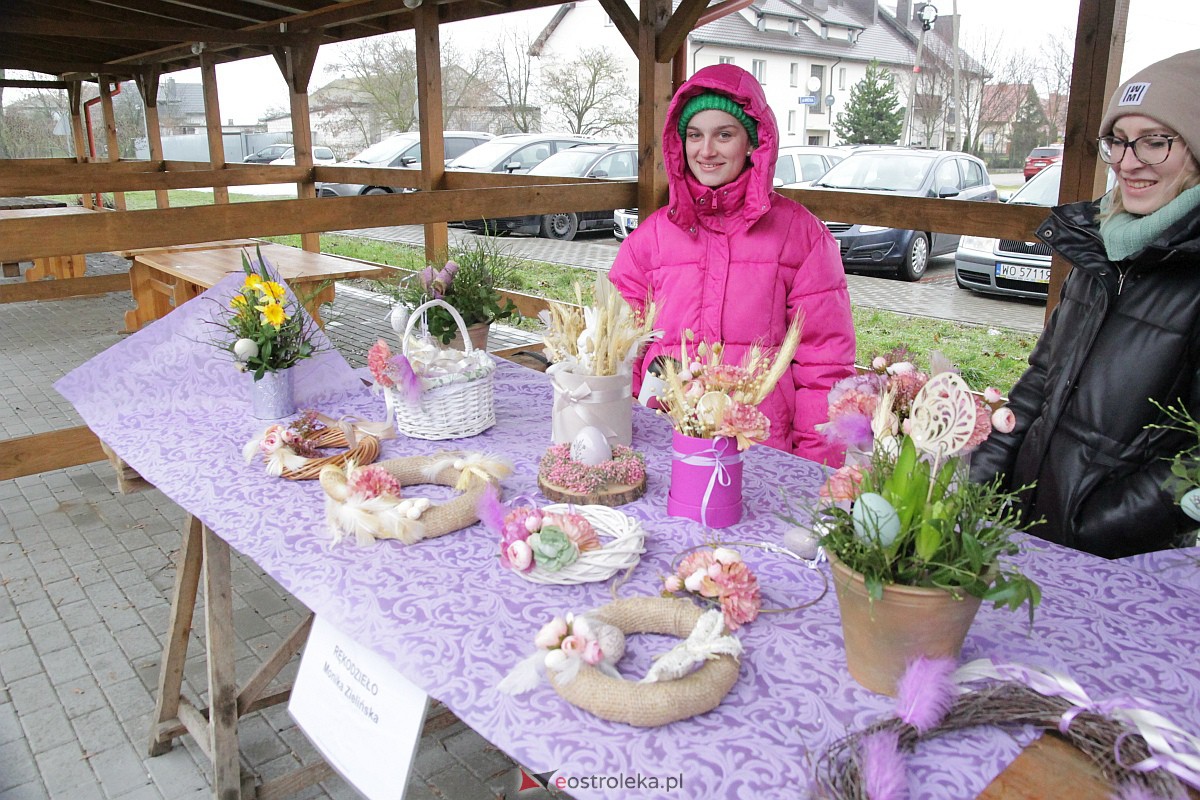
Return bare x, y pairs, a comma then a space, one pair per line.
143, 201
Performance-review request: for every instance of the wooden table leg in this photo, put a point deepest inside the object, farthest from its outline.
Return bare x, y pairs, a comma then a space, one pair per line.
215, 728
313, 302
222, 676
39, 270
170, 672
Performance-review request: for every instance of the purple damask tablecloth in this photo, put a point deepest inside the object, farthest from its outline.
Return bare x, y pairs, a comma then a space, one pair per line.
450, 619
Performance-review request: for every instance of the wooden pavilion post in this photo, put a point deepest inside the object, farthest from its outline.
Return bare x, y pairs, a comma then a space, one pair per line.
147, 83
212, 119
75, 103
297, 62
106, 82
431, 121
654, 94
1099, 47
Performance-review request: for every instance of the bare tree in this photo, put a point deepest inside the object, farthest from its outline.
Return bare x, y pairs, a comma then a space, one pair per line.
591, 94
384, 69
514, 81
467, 86
1054, 76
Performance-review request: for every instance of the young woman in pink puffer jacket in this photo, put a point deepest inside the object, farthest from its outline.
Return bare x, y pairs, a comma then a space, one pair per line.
732, 261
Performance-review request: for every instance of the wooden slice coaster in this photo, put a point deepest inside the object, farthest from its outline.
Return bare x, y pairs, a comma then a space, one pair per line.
610, 496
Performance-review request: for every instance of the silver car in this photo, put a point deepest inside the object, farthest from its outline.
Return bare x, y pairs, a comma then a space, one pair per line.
1007, 266
401, 151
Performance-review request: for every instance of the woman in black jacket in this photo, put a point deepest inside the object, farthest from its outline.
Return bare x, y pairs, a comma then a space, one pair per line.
1126, 332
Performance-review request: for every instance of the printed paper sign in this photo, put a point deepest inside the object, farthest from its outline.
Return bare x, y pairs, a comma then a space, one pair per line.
362, 715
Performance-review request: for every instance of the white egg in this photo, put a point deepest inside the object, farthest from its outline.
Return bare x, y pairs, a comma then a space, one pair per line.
802, 541
1190, 503
875, 518
245, 349
590, 447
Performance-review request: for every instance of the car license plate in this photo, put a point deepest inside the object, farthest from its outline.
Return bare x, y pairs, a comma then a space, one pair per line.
1015, 272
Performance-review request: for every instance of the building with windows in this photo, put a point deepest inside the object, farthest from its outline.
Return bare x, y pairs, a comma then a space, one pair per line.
808, 54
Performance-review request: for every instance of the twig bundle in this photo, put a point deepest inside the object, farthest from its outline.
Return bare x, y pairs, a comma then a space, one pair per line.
1110, 744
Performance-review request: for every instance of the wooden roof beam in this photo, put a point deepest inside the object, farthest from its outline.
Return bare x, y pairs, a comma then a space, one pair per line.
681, 23
162, 33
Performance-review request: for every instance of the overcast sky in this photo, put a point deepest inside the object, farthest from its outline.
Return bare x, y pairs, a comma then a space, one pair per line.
1156, 29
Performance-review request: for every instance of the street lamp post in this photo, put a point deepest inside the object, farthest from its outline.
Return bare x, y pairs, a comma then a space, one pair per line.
927, 16
813, 85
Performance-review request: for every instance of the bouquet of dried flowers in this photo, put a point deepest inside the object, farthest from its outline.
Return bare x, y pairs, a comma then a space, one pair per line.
532, 537
265, 332
875, 404
600, 339
706, 397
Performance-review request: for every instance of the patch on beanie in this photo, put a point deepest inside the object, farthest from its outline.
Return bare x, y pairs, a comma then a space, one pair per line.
1134, 94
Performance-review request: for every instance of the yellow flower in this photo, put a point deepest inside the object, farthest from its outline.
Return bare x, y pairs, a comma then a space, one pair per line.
239, 301
273, 314
253, 281
272, 290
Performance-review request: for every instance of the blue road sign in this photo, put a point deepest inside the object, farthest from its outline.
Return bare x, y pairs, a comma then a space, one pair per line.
808, 100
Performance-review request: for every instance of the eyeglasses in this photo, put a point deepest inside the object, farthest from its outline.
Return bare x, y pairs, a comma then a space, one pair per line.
1150, 149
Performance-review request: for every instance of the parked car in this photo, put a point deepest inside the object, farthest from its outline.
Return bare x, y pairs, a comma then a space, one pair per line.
609, 161
1006, 266
624, 221
400, 151
516, 152
268, 153
804, 163
1041, 157
320, 155
914, 173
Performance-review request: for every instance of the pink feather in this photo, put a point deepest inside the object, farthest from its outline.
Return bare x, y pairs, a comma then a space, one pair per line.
1135, 791
925, 692
883, 767
492, 511
407, 381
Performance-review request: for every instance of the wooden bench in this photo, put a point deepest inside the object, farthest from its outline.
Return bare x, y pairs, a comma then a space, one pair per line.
162, 280
51, 266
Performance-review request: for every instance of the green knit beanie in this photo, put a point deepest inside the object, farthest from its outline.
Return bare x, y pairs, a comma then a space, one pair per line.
709, 101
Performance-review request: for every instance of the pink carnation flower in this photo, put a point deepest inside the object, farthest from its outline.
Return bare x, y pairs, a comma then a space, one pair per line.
577, 528
843, 485
372, 481
745, 422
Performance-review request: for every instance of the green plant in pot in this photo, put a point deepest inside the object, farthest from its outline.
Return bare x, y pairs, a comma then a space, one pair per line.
915, 546
470, 281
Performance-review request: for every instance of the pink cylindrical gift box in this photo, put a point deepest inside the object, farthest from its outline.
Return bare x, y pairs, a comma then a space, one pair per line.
706, 467
598, 401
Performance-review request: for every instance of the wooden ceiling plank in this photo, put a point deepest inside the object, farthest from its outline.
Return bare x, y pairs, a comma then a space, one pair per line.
163, 33
170, 13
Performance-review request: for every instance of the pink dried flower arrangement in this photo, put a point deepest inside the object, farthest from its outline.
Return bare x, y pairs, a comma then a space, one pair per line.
393, 371
626, 468
369, 482
532, 538
720, 577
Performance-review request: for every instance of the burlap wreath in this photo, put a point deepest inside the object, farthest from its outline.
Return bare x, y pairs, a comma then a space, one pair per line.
472, 478
648, 705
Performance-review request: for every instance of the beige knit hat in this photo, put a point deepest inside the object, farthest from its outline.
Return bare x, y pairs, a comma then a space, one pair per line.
1166, 92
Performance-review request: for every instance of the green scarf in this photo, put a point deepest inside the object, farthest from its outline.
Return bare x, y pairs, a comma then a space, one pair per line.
1127, 234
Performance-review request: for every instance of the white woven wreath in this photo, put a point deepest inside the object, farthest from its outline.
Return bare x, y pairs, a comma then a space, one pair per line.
624, 542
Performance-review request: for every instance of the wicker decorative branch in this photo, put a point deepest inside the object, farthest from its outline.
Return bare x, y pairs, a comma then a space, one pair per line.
1139, 751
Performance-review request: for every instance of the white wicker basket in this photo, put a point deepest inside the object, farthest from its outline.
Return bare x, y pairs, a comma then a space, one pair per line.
452, 411
624, 542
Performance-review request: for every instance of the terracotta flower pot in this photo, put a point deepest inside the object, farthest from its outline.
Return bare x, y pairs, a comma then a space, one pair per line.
883, 636
479, 337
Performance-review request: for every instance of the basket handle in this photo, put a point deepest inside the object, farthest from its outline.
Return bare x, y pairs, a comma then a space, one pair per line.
421, 309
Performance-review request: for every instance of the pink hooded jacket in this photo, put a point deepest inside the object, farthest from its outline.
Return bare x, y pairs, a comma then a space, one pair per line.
736, 263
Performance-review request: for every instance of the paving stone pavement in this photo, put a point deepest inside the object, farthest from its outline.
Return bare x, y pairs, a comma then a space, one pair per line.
86, 573
86, 576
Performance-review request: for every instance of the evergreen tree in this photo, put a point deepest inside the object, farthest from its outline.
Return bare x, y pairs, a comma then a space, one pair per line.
873, 115
1030, 126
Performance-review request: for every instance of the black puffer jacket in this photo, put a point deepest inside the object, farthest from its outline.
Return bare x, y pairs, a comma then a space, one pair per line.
1122, 333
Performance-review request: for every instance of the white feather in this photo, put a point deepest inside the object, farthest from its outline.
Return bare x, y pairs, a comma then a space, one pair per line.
525, 676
